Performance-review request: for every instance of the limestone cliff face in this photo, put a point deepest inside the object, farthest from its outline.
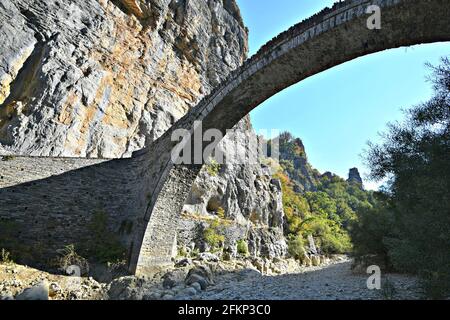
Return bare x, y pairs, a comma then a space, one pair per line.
244, 191
103, 78
247, 195
100, 78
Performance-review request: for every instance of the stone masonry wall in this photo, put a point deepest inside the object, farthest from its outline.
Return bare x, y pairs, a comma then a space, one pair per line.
51, 201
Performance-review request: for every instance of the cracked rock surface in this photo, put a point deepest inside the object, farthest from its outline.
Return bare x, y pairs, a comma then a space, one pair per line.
91, 78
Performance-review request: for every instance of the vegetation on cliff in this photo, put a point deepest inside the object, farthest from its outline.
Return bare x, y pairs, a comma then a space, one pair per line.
322, 206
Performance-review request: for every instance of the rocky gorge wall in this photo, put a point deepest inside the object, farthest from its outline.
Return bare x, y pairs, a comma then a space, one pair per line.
83, 82
89, 78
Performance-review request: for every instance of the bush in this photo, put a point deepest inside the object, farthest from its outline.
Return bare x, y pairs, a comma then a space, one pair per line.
372, 229
5, 257
182, 252
213, 168
221, 213
68, 257
242, 247
195, 253
212, 235
414, 156
330, 237
296, 247
319, 214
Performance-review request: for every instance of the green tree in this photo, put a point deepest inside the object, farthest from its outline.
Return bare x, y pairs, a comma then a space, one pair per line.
415, 158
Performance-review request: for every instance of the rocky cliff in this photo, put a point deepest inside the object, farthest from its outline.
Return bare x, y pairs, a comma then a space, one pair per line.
294, 161
100, 79
104, 78
247, 195
355, 177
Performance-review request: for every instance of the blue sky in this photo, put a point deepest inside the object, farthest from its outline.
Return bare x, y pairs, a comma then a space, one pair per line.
338, 111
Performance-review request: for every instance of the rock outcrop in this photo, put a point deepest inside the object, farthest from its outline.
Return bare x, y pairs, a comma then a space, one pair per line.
296, 165
355, 177
245, 191
245, 194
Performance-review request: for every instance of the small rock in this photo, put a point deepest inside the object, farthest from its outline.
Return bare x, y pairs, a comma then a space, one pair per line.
190, 291
183, 263
208, 257
54, 289
197, 286
7, 296
168, 297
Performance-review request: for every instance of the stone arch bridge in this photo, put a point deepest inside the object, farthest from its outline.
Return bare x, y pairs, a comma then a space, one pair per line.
156, 188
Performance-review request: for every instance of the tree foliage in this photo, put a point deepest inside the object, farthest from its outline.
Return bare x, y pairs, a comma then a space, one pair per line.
413, 230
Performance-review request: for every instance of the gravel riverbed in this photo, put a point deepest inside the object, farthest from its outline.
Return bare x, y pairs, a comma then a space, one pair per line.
331, 282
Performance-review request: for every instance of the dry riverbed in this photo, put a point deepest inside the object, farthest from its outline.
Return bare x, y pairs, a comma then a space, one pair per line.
333, 280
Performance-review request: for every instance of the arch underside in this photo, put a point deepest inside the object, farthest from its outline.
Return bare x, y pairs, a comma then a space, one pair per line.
336, 37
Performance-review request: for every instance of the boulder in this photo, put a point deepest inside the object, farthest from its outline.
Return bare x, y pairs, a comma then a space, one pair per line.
126, 288
174, 277
306, 260
259, 264
168, 297
155, 295
202, 272
39, 291
195, 278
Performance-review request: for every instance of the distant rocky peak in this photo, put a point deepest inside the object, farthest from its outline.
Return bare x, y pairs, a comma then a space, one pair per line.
355, 177
293, 146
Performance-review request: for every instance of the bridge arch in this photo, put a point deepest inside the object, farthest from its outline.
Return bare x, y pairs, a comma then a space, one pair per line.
331, 37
